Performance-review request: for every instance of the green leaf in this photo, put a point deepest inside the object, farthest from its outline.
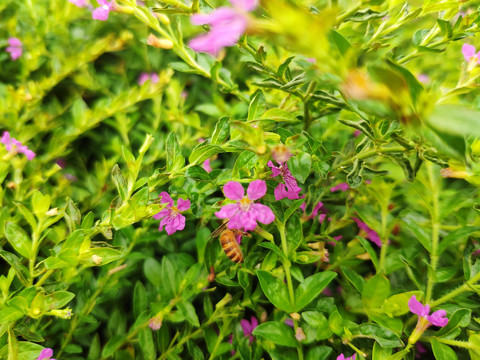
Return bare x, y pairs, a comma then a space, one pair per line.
369, 249
319, 353
202, 152
40, 204
455, 236
198, 173
411, 224
245, 161
113, 344
275, 290
308, 290
300, 166
279, 115
385, 337
21, 271
145, 339
335, 323
19, 239
186, 309
375, 291
119, 182
274, 248
357, 281
276, 332
73, 215
397, 305
398, 356
139, 299
455, 119
27, 214
460, 318
292, 208
257, 106
442, 351
58, 299
221, 131
379, 352
175, 160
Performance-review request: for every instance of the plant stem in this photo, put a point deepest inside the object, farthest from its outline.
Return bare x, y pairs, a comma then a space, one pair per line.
286, 265
465, 287
435, 237
458, 343
367, 154
384, 238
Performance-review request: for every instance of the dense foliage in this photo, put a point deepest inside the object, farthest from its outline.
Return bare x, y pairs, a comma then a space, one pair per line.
339, 139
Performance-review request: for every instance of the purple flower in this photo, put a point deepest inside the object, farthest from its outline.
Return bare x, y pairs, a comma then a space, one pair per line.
226, 26
341, 187
155, 323
144, 77
13, 145
342, 357
314, 211
468, 52
289, 189
45, 354
171, 217
423, 78
437, 318
101, 12
357, 133
289, 322
230, 340
245, 212
369, 233
248, 326
15, 48
206, 166
79, 3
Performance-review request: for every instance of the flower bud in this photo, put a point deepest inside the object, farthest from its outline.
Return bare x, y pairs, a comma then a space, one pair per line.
281, 154
52, 212
155, 323
61, 313
295, 316
164, 19
154, 41
300, 335
97, 259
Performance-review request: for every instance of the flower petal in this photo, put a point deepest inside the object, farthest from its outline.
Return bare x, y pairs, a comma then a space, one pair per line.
161, 214
227, 211
341, 187
468, 51
247, 5
183, 205
262, 213
253, 322
45, 354
215, 18
416, 306
256, 189
341, 357
247, 329
280, 192
165, 221
233, 190
166, 199
438, 318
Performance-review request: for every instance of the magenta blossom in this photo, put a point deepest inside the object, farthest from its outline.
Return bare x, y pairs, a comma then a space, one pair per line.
469, 53
289, 189
342, 357
314, 211
206, 166
45, 354
171, 217
144, 77
15, 48
245, 212
341, 187
226, 26
248, 326
370, 234
79, 3
13, 145
289, 322
155, 323
437, 318
101, 12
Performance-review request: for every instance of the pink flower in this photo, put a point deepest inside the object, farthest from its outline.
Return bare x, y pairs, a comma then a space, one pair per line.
230, 340
289, 189
468, 52
226, 26
289, 322
437, 318
155, 323
15, 48
171, 217
79, 3
423, 78
101, 12
45, 354
144, 77
369, 233
342, 357
206, 166
13, 145
341, 187
281, 154
357, 133
245, 212
248, 326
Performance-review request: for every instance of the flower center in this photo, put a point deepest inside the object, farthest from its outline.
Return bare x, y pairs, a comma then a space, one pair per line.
245, 204
174, 211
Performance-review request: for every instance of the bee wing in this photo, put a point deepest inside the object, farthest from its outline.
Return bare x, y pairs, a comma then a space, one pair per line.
219, 230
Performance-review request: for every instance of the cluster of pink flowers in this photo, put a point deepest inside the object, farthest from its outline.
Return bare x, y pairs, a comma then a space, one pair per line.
13, 145
45, 354
99, 13
227, 24
290, 188
14, 48
171, 217
144, 77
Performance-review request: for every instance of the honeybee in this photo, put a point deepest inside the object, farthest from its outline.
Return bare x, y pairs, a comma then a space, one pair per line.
229, 242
